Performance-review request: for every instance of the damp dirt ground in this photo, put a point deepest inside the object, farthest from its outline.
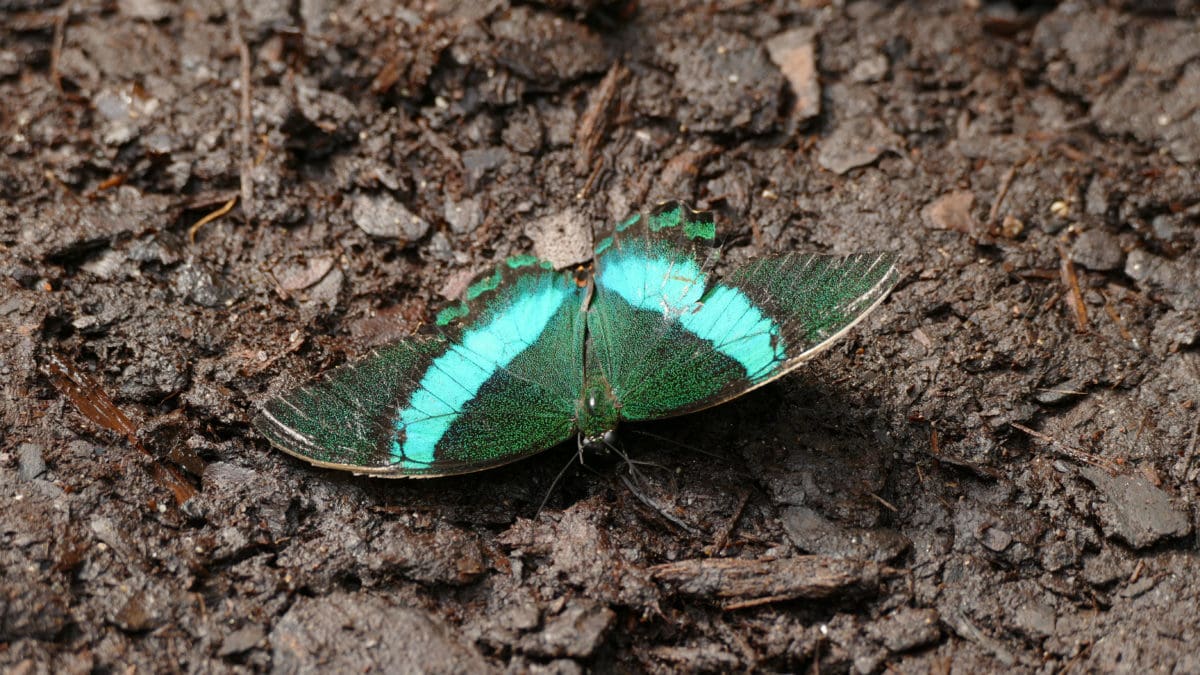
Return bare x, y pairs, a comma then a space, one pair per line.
202, 205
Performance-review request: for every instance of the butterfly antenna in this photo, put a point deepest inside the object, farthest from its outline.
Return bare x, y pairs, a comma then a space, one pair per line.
562, 472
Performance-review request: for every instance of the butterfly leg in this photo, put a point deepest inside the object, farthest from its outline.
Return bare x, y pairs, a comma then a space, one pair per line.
657, 508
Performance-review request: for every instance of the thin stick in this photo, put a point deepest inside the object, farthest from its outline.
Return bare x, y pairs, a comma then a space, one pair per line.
1002, 192
226, 208
723, 538
886, 504
756, 602
1073, 453
1116, 318
587, 187
95, 404
1075, 297
247, 162
60, 34
1191, 451
597, 118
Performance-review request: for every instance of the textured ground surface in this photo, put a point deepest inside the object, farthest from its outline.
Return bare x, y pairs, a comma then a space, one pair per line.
997, 470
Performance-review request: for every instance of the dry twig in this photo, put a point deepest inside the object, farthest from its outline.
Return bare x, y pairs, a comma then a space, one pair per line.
596, 119
1068, 451
91, 400
1074, 296
225, 208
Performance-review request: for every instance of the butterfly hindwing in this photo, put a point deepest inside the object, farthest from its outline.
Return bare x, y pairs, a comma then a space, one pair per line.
499, 383
649, 276
695, 340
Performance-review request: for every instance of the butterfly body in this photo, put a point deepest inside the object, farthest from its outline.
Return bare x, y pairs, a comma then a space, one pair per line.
533, 356
598, 411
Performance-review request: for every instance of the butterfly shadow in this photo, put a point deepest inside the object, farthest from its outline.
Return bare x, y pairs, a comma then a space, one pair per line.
797, 443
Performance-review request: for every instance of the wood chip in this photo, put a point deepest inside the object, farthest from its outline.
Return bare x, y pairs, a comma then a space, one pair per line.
596, 119
96, 405
736, 583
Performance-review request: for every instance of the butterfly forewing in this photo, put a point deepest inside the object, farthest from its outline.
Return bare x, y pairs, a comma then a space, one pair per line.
499, 383
337, 419
643, 334
814, 298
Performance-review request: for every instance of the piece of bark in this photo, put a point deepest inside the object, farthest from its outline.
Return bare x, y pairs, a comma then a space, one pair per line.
736, 583
596, 119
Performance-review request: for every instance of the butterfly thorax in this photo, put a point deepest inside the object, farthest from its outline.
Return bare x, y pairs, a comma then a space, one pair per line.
597, 411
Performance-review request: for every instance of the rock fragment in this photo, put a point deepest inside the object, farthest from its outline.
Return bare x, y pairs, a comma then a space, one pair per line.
1134, 510
813, 533
952, 211
30, 464
908, 628
795, 54
380, 215
575, 633
857, 142
332, 634
562, 238
1098, 250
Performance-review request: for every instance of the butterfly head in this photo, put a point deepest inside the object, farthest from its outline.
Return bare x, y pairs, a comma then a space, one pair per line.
600, 443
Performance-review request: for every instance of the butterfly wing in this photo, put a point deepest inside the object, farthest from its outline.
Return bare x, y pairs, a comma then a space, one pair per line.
498, 384
673, 339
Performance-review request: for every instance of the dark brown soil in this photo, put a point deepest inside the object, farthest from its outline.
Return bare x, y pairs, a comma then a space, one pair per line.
997, 471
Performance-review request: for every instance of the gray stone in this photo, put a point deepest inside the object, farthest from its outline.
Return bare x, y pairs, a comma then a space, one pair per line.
994, 538
857, 142
195, 283
1134, 511
30, 462
241, 640
795, 54
727, 83
1098, 250
908, 628
574, 634
870, 69
1178, 278
380, 215
952, 211
524, 132
813, 533
358, 632
464, 217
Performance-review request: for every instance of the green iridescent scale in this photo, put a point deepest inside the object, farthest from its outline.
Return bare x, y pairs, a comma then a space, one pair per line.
533, 356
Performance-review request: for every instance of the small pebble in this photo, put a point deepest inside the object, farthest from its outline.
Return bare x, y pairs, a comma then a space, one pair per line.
30, 462
1098, 250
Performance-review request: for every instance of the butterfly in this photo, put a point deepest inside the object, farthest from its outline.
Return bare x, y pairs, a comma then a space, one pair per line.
532, 355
